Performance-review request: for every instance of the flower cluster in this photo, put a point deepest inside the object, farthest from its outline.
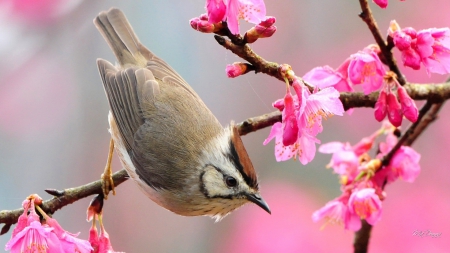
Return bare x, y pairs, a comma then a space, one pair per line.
363, 179
362, 68
387, 103
366, 69
253, 11
302, 117
430, 47
30, 235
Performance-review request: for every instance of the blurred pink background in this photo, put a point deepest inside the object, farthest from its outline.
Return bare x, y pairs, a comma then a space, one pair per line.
53, 124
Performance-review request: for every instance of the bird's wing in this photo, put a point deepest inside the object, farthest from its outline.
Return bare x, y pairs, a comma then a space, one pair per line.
126, 91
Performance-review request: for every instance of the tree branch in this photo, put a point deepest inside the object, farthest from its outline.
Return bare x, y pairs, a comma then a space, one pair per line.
68, 196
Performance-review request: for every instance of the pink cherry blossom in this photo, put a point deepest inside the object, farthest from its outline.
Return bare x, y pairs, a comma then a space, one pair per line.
365, 68
253, 11
308, 111
366, 204
304, 148
33, 237
333, 212
337, 212
344, 161
431, 47
435, 49
405, 164
69, 242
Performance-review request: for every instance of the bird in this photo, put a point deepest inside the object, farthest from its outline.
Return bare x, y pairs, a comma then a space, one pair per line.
167, 139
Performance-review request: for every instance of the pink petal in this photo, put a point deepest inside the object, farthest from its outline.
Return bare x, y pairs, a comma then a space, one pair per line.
276, 130
216, 10
325, 76
411, 58
366, 69
424, 44
406, 162
326, 100
331, 147
307, 148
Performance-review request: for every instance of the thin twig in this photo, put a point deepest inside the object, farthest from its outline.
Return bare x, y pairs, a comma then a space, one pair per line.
401, 142
362, 236
367, 17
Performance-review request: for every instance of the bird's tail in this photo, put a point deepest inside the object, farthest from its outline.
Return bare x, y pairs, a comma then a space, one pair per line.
122, 40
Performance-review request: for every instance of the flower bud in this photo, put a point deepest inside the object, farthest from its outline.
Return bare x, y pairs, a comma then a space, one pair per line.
380, 106
236, 69
264, 29
290, 125
382, 3
394, 110
409, 108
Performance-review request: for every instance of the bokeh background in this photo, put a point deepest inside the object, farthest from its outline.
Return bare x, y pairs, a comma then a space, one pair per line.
53, 124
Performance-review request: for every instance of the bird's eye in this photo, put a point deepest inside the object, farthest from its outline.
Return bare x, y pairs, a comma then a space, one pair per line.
231, 181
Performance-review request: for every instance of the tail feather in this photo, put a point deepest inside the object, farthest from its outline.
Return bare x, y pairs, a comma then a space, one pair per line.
122, 40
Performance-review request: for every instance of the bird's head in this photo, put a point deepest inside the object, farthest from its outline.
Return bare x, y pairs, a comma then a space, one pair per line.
228, 179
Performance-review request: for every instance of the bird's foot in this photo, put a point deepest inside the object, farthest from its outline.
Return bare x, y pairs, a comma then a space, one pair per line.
106, 177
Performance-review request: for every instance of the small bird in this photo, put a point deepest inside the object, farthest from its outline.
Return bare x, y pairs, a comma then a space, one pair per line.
169, 142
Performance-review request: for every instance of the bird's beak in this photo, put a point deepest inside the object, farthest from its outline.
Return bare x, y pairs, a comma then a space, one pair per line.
257, 199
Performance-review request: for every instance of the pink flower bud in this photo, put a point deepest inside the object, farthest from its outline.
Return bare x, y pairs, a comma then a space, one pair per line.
264, 29
366, 204
290, 125
393, 27
269, 21
236, 69
382, 3
381, 106
394, 110
202, 25
409, 108
265, 32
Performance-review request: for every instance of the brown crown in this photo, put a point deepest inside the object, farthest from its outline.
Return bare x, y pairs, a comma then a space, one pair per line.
239, 156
